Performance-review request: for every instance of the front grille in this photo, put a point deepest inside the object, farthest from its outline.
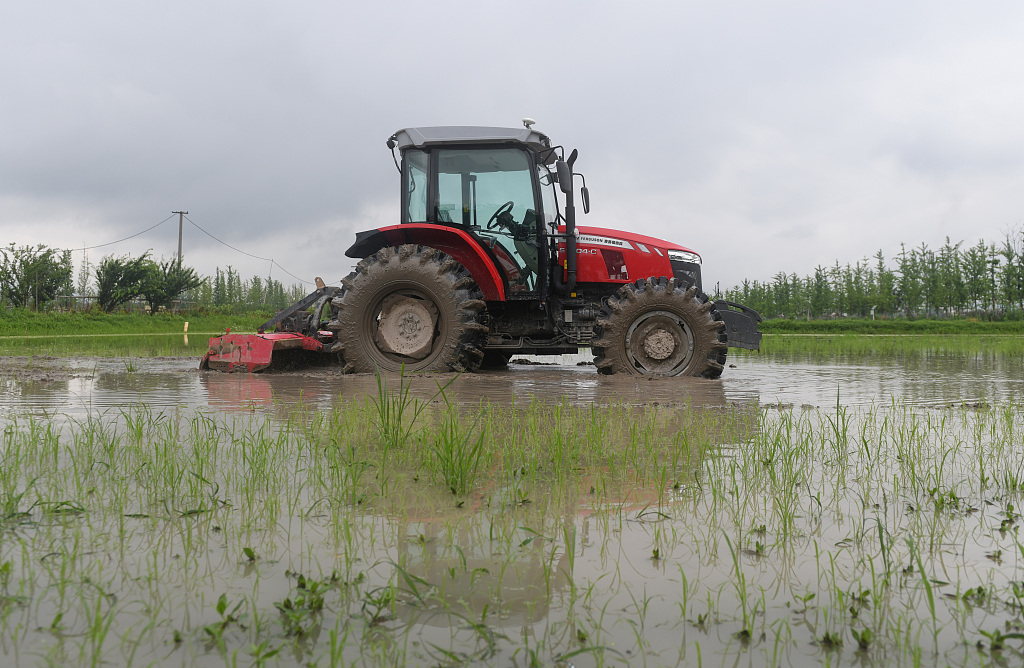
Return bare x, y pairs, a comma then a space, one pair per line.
687, 273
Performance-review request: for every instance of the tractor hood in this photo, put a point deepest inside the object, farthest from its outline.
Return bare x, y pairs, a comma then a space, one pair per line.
605, 255
600, 236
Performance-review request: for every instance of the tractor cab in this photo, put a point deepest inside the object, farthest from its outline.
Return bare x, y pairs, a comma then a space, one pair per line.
495, 184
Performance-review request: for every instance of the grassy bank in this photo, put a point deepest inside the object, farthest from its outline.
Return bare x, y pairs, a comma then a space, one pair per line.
25, 332
22, 322
889, 337
97, 334
892, 345
859, 326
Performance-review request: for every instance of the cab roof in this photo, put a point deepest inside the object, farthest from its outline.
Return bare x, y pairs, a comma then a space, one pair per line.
471, 134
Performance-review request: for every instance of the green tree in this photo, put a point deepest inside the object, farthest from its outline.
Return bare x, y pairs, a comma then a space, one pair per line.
820, 293
255, 294
220, 290
236, 293
928, 265
34, 276
950, 292
835, 280
859, 281
975, 270
884, 285
909, 285
165, 281
277, 297
203, 295
1010, 275
84, 274
993, 267
120, 280
780, 294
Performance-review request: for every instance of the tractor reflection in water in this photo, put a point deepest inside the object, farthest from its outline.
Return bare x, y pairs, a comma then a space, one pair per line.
480, 571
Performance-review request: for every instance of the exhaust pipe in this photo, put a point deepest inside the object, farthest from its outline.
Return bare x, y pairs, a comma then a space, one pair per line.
564, 170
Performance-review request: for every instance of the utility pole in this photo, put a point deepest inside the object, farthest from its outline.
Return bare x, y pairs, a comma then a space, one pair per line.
181, 216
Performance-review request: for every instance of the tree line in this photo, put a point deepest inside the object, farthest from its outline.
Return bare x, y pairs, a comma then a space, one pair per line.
985, 280
39, 277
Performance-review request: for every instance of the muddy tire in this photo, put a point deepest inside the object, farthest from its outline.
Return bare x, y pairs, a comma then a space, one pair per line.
656, 327
410, 306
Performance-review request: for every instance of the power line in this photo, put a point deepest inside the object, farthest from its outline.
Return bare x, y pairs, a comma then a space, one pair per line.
301, 280
84, 248
196, 225
224, 243
239, 250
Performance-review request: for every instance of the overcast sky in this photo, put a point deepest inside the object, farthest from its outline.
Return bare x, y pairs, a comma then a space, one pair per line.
767, 136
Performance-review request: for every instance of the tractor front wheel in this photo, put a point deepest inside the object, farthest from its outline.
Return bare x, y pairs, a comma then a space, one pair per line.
656, 327
410, 306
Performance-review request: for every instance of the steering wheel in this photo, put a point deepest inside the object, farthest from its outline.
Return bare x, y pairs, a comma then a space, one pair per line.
503, 209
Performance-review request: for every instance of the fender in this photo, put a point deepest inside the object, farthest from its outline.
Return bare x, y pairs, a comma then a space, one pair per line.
451, 240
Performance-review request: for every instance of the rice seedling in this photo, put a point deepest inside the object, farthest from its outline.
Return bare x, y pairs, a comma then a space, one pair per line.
429, 531
457, 451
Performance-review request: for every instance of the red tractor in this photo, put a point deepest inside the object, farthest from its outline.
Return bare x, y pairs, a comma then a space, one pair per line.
488, 263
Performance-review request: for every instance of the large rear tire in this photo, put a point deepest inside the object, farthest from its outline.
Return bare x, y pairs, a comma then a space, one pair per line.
410, 306
656, 327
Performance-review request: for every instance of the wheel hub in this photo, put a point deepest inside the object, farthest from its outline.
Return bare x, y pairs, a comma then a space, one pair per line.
406, 326
660, 343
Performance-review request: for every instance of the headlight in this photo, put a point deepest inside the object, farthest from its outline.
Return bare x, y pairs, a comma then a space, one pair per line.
683, 256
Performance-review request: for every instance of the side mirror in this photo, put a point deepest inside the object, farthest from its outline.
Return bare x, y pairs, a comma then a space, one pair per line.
585, 195
564, 176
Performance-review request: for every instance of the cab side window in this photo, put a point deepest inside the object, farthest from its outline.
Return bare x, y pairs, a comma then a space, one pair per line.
414, 179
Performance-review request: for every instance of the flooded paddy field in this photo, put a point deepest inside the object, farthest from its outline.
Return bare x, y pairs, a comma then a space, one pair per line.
813, 507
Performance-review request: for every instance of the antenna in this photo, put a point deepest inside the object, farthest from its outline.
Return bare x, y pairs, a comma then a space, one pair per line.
527, 122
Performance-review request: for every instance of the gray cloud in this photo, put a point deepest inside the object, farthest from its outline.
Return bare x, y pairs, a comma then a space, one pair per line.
767, 136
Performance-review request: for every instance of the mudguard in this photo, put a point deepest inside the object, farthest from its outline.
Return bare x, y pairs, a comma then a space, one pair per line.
451, 240
740, 324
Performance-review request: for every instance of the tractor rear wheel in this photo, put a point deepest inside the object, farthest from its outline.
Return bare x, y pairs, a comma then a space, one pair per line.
410, 306
656, 327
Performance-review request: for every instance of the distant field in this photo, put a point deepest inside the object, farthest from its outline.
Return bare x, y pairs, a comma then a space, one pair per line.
20, 322
95, 334
134, 335
23, 322
858, 326
827, 345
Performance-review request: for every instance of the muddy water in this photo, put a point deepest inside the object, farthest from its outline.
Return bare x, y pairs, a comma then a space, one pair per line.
660, 587
79, 386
